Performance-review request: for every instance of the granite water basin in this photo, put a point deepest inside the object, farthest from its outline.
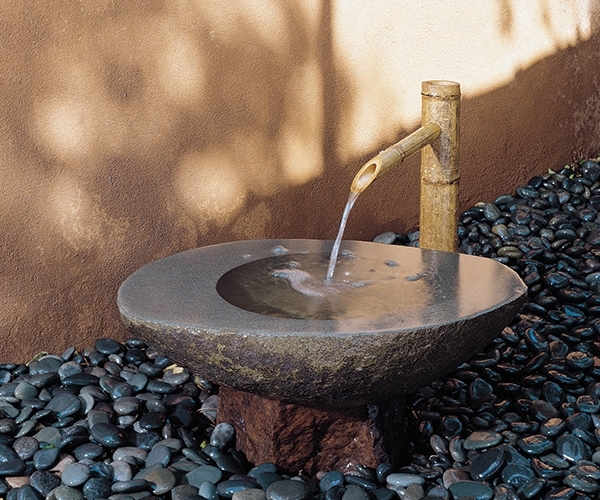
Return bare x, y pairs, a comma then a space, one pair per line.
416, 315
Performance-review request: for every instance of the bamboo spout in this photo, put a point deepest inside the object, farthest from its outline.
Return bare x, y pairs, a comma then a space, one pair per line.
394, 155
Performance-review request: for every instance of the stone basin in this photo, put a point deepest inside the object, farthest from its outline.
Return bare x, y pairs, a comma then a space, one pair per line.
415, 315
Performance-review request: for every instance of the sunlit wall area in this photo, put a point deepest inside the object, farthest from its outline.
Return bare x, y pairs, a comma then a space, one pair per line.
130, 131
388, 50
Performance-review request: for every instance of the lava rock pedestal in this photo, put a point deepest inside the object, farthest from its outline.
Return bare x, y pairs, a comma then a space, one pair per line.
308, 440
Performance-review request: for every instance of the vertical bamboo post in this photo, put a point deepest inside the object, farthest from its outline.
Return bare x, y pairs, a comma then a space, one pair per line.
440, 167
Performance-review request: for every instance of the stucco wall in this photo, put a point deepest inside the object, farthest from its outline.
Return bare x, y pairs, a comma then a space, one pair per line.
131, 130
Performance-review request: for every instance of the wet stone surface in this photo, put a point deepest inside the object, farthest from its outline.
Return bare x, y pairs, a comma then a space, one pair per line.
518, 421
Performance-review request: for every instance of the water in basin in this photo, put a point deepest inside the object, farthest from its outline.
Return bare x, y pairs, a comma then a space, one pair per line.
295, 286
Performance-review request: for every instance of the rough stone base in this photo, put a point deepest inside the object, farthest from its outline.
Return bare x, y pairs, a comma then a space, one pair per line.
304, 439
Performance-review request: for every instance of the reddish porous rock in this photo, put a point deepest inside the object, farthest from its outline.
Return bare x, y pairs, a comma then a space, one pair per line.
304, 439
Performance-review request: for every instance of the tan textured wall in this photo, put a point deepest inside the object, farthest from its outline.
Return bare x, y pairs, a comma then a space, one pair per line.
131, 130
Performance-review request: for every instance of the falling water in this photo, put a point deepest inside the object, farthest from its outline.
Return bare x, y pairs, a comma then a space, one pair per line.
338, 241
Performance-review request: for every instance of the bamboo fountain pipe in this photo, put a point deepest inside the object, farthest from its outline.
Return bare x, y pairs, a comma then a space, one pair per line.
440, 167
438, 139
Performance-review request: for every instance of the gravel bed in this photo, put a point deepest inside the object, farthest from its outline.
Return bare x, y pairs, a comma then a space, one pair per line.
520, 420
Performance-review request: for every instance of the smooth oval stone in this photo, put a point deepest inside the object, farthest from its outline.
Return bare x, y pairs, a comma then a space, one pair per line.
153, 420
64, 492
152, 370
491, 212
196, 456
176, 376
8, 425
579, 420
553, 427
12, 467
121, 390
382, 471
266, 478
336, 493
122, 470
80, 380
6, 452
362, 482
138, 382
287, 490
544, 470
222, 435
69, 368
130, 451
482, 439
542, 410
557, 280
159, 454
209, 491
457, 449
352, 492
107, 346
588, 404
487, 464
44, 482
132, 486
90, 451
48, 364
502, 231
404, 479
249, 494
75, 474
45, 458
228, 464
262, 468
453, 475
108, 435
161, 479
95, 417
587, 469
516, 475
536, 444
159, 387
135, 356
532, 487
471, 489
581, 483
331, 479
386, 238
552, 393
204, 473
25, 447
185, 492
227, 488
24, 390
64, 405
96, 488
571, 448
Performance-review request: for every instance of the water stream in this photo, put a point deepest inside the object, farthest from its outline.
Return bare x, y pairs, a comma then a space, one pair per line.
338, 240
